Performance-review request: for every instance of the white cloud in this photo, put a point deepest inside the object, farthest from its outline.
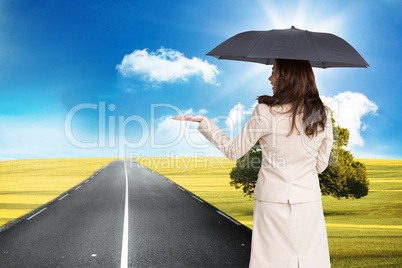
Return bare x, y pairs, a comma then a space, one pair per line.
166, 65
238, 113
171, 133
349, 108
181, 137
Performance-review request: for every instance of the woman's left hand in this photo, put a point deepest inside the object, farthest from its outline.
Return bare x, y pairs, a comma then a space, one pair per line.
192, 118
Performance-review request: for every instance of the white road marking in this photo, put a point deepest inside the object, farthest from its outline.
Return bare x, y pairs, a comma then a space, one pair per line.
93, 255
78, 188
197, 198
86, 181
63, 197
43, 209
171, 182
181, 188
124, 247
229, 218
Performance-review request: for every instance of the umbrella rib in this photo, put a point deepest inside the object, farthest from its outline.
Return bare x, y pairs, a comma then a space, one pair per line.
262, 33
315, 49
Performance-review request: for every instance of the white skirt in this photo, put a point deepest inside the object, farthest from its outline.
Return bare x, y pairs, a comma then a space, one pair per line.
289, 236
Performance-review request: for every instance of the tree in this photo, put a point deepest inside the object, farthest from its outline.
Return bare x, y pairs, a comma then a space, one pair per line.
244, 175
344, 176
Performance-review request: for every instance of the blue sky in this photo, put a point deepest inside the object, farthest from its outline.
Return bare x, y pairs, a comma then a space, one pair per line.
102, 78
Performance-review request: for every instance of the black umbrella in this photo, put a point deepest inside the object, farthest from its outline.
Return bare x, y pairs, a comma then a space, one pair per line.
323, 50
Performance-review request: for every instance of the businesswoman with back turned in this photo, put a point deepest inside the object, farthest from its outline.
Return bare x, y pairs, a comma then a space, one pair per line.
295, 133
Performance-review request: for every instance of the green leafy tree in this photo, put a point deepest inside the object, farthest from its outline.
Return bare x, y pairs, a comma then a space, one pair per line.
343, 178
244, 175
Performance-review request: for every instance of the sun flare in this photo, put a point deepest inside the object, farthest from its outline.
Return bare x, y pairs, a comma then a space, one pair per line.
307, 15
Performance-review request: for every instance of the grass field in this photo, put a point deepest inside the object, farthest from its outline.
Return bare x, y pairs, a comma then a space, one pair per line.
28, 184
361, 233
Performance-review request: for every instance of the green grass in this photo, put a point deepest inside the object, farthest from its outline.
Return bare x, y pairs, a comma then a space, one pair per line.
362, 246
354, 247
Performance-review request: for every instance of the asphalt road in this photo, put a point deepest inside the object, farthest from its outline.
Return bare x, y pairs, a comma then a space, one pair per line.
126, 216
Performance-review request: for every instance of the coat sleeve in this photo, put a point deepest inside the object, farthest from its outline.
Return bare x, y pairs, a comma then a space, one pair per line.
324, 150
256, 127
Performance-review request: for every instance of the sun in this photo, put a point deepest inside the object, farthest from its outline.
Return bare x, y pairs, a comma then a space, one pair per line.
304, 14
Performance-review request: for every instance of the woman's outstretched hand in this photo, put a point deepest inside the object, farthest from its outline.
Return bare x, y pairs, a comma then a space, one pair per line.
194, 118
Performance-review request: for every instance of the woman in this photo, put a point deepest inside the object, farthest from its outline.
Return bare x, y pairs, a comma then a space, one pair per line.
294, 126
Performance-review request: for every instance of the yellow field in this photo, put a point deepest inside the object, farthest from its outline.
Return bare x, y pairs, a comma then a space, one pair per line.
387, 162
28, 184
188, 165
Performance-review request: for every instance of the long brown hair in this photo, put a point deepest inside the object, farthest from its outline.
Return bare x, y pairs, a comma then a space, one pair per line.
296, 86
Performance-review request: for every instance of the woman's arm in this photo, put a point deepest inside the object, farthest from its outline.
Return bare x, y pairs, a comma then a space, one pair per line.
255, 127
192, 118
324, 150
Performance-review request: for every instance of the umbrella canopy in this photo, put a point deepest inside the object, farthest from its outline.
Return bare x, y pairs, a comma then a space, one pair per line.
323, 50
